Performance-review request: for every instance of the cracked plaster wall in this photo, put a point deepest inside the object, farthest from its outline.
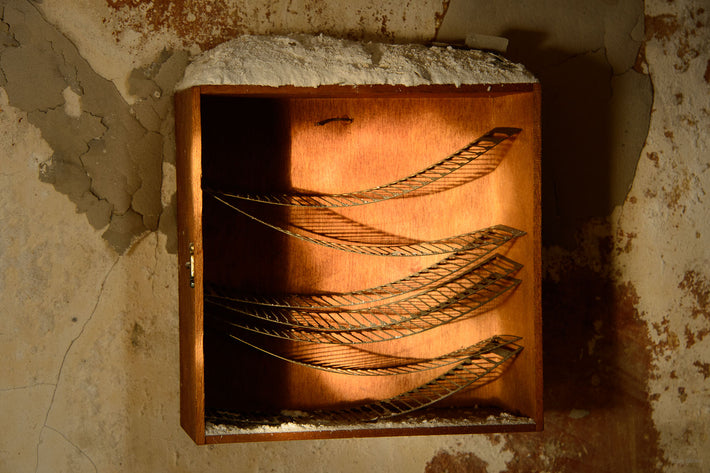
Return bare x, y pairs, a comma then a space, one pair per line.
107, 155
88, 329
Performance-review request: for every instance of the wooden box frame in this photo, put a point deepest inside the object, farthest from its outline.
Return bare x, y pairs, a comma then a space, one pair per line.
506, 105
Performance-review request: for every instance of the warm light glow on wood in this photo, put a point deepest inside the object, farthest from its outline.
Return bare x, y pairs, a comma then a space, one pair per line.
260, 140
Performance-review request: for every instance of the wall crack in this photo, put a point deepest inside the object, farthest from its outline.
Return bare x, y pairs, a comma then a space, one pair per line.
439, 17
64, 358
82, 452
29, 386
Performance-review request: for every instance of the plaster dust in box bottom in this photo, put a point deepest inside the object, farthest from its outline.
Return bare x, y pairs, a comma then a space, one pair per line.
299, 421
370, 270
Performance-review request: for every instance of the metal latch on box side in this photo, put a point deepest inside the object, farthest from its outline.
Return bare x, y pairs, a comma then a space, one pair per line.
191, 265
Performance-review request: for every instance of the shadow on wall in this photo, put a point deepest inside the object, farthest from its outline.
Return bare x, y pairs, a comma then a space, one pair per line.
587, 167
591, 145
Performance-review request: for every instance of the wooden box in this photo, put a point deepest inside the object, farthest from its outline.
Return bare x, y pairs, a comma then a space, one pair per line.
296, 144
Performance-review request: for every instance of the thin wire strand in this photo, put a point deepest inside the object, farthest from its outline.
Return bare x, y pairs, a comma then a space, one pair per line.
417, 306
394, 189
475, 303
353, 360
473, 371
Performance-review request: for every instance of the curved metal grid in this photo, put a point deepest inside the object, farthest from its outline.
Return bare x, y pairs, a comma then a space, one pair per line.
496, 235
469, 305
353, 360
473, 371
479, 369
448, 268
395, 189
419, 306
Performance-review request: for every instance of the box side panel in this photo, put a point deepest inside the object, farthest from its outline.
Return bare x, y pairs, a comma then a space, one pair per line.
380, 90
537, 137
511, 196
189, 196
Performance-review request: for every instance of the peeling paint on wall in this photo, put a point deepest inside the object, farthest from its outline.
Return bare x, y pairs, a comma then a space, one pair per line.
107, 155
456, 463
127, 34
210, 23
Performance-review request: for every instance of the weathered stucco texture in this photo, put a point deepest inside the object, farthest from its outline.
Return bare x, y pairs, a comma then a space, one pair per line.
88, 272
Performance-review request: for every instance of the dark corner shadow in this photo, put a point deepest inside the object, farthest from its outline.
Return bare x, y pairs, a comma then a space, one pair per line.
245, 145
576, 186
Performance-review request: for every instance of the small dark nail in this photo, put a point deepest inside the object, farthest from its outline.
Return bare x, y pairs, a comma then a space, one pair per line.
334, 119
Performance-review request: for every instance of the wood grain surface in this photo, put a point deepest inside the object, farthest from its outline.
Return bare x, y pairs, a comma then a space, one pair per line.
341, 139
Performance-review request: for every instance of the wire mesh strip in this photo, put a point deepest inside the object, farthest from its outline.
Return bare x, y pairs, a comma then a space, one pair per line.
417, 306
353, 360
394, 189
478, 369
473, 371
448, 268
497, 235
468, 306
328, 224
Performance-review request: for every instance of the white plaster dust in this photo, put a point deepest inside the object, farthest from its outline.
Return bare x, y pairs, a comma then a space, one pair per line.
299, 423
311, 61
